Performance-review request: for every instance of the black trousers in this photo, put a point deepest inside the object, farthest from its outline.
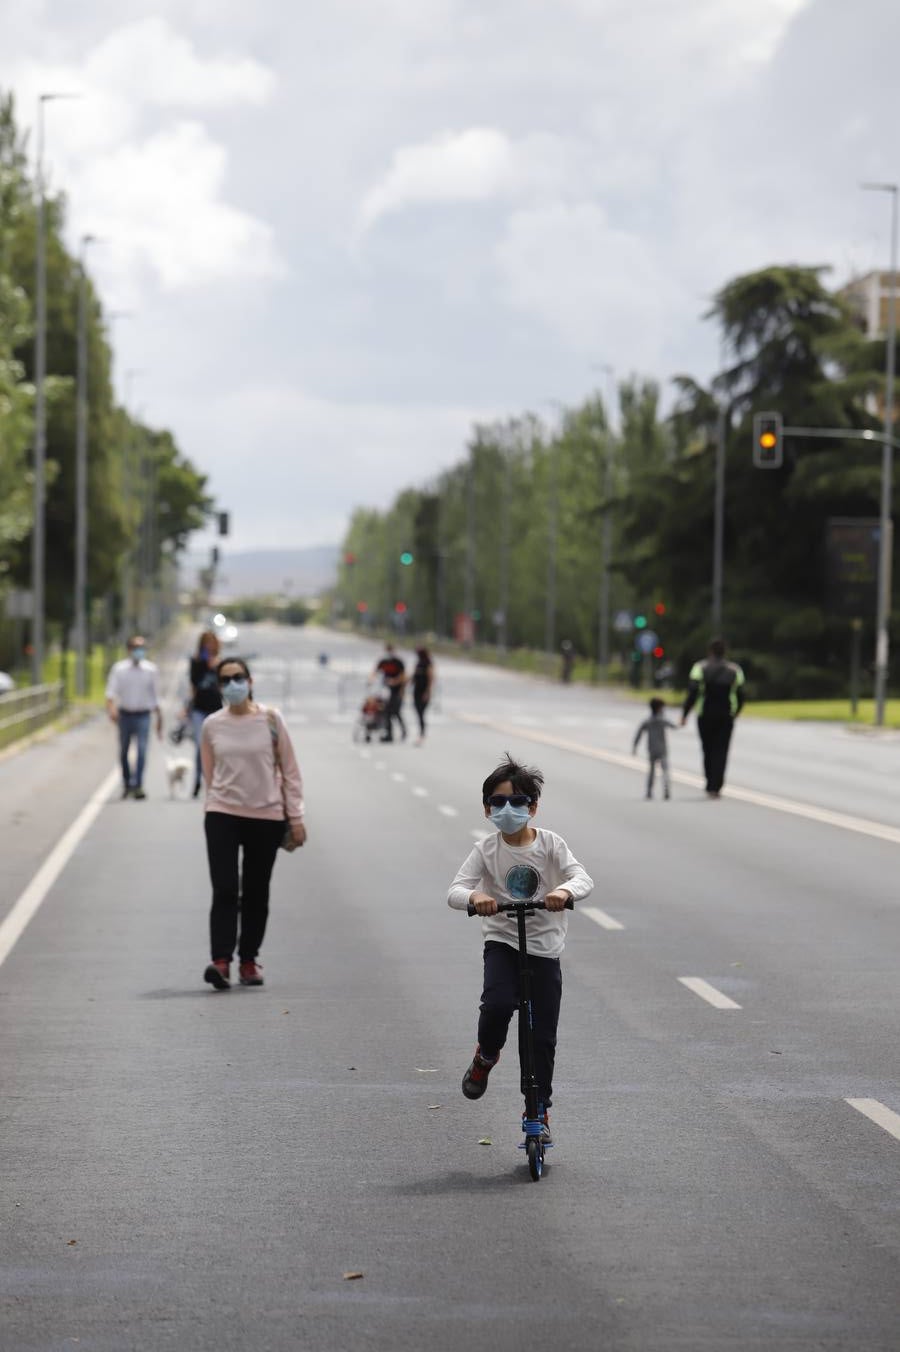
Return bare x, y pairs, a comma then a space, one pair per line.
501, 997
420, 703
715, 736
395, 699
239, 888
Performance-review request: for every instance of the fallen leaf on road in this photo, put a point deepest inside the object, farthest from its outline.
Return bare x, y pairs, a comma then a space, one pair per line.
485, 1140
285, 1011
353, 1276
70, 1242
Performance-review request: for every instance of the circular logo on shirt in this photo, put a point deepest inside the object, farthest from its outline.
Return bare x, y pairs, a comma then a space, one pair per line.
522, 881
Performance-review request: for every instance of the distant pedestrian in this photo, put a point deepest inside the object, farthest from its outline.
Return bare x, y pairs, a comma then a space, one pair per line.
254, 794
567, 648
205, 696
422, 684
657, 749
392, 671
132, 695
716, 686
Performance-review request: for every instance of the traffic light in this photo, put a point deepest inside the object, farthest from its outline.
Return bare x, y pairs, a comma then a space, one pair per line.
640, 621
768, 452
659, 651
400, 608
223, 523
406, 558
660, 608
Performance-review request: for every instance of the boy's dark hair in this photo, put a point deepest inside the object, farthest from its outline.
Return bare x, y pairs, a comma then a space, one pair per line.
237, 661
657, 705
524, 779
717, 647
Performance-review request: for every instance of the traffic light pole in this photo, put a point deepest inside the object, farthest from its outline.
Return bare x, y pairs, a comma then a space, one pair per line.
889, 444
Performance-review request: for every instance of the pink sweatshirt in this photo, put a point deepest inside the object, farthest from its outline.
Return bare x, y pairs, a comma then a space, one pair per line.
238, 759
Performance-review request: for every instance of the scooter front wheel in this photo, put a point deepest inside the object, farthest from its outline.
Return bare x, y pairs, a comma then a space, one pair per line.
535, 1153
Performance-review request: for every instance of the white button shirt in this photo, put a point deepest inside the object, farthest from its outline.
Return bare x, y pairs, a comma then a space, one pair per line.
132, 685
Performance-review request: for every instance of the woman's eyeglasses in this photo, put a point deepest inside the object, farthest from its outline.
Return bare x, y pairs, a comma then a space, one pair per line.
514, 799
227, 680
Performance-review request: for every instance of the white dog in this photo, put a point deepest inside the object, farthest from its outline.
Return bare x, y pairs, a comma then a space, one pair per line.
179, 771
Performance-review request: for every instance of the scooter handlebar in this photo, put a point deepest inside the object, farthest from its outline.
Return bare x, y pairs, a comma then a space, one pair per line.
521, 906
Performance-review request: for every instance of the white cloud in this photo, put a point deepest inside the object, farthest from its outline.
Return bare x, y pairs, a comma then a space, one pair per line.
149, 60
596, 286
469, 166
152, 188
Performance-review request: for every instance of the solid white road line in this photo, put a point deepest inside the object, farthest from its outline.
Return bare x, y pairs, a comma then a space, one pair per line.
707, 992
842, 820
27, 905
877, 1113
447, 810
600, 917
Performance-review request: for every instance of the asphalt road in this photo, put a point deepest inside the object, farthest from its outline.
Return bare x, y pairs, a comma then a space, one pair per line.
192, 1170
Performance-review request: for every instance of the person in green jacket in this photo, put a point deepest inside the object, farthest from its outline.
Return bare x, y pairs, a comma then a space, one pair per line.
716, 687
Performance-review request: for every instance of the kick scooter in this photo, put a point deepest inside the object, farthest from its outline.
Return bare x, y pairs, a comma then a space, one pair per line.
533, 1121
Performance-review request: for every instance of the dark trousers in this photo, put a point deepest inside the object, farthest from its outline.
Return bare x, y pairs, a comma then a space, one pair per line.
244, 890
395, 699
137, 727
420, 703
501, 997
715, 735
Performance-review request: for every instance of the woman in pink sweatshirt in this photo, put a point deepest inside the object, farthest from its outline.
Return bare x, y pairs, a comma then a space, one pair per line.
254, 794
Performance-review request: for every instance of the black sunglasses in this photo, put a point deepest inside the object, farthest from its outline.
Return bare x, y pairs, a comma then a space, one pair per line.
226, 680
514, 799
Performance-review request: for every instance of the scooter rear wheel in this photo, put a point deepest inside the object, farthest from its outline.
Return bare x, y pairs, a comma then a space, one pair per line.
535, 1153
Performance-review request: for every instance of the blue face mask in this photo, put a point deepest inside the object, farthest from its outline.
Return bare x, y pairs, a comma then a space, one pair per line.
138, 654
509, 819
235, 692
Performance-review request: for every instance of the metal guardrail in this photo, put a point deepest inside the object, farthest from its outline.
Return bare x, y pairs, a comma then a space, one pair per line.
24, 711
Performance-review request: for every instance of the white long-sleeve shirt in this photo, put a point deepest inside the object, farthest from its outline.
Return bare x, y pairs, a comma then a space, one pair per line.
513, 872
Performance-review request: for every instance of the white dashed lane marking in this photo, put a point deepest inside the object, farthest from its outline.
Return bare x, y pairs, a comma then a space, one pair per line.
419, 792
876, 1112
708, 992
600, 918
447, 810
398, 777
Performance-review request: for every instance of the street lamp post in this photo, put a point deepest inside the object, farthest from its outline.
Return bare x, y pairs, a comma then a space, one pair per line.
81, 478
552, 533
885, 552
606, 530
38, 536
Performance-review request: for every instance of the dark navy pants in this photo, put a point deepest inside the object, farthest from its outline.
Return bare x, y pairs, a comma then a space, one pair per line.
135, 726
500, 999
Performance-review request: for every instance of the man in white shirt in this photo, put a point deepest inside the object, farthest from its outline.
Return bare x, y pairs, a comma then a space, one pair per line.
131, 697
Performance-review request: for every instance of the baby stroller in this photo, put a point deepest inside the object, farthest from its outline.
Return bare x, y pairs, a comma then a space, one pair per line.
371, 718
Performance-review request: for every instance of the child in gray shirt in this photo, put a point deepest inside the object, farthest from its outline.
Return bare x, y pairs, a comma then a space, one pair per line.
655, 728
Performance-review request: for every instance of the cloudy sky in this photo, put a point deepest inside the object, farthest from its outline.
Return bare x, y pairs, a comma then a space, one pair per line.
346, 231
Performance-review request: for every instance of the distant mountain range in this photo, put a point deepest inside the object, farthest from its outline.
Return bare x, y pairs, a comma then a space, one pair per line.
267, 572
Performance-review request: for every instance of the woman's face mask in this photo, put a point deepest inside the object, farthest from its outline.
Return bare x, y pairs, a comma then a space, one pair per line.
235, 692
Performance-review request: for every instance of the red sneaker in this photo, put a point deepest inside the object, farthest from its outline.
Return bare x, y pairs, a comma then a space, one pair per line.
218, 974
475, 1079
250, 974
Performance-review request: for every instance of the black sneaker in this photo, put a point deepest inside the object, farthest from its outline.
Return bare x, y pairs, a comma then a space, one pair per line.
474, 1082
138, 792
